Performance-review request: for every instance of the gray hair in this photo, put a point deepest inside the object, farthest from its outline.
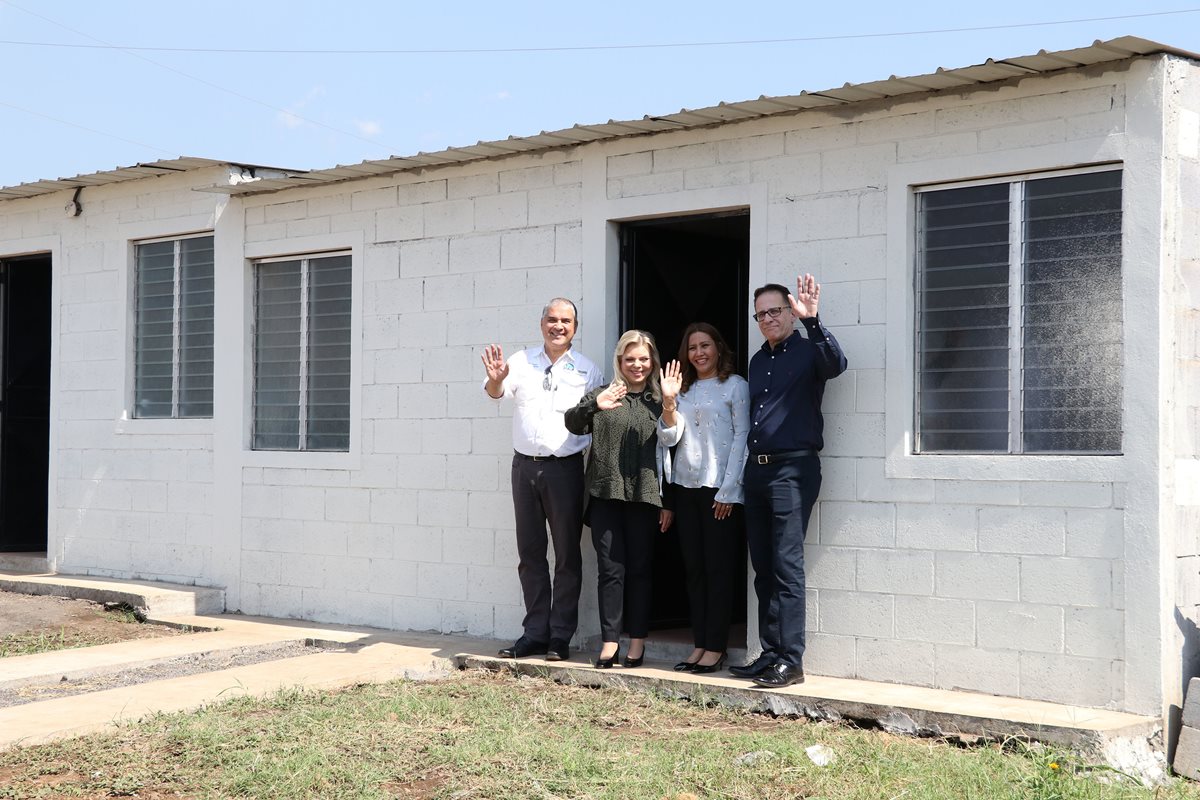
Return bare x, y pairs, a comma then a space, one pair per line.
561, 301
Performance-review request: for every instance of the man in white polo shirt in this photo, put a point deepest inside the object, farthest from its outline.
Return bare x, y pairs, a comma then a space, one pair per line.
547, 475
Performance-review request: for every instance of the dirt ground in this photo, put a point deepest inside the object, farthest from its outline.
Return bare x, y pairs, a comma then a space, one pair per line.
81, 621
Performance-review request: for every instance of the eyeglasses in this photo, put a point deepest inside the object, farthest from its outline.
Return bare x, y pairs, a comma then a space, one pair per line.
767, 312
547, 380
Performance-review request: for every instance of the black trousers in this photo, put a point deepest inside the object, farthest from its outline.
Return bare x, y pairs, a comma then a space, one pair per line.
549, 491
623, 535
709, 548
779, 501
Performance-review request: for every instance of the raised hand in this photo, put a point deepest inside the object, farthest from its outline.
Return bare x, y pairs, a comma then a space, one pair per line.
671, 381
804, 301
497, 370
494, 363
610, 398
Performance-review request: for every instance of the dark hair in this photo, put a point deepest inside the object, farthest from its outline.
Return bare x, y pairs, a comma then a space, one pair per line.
725, 363
772, 287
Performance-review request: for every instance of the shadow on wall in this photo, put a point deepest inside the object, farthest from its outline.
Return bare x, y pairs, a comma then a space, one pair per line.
1190, 668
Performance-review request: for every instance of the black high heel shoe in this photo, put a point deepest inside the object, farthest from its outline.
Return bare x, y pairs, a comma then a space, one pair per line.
704, 669
607, 663
631, 663
685, 666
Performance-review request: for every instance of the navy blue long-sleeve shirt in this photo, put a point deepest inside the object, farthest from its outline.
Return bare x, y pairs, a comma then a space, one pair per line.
786, 387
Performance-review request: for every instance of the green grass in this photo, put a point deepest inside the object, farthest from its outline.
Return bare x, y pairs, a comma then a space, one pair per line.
478, 735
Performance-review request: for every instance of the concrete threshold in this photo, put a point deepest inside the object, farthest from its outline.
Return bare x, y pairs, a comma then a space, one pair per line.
368, 655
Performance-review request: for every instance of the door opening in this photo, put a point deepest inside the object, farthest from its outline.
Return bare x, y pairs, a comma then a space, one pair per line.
24, 402
675, 271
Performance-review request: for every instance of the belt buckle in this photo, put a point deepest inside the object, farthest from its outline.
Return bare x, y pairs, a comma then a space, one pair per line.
763, 459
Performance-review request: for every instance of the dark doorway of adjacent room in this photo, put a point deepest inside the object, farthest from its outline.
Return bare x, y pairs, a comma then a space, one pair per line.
675, 271
24, 402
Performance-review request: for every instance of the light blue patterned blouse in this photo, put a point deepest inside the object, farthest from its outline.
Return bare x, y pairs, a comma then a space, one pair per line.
711, 423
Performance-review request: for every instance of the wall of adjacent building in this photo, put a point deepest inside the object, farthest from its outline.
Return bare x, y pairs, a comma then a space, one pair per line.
1181, 423
127, 497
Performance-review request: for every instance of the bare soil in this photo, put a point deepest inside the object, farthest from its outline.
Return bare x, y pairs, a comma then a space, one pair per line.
81, 623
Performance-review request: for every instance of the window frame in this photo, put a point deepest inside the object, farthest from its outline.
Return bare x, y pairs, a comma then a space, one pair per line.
305, 344
177, 333
1017, 185
894, 241
362, 257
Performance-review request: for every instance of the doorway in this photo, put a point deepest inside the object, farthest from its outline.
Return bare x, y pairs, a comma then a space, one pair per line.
24, 402
675, 271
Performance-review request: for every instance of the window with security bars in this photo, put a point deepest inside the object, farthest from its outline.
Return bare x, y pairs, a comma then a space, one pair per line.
302, 354
1019, 339
173, 328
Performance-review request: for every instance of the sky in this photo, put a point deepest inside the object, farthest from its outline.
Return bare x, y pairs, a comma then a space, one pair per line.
81, 91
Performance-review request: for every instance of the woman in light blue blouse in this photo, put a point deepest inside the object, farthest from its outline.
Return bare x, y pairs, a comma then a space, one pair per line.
706, 413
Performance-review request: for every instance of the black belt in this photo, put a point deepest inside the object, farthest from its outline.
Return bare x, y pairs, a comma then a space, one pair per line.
771, 458
547, 458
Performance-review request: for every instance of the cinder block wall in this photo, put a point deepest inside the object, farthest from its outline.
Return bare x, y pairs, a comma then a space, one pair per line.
421, 536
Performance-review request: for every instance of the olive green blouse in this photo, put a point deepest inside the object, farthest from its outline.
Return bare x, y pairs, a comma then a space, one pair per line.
625, 461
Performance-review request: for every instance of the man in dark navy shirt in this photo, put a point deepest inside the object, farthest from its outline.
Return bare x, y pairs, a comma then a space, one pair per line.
783, 471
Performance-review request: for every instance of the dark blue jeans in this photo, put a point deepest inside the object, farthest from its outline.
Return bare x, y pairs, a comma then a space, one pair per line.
779, 501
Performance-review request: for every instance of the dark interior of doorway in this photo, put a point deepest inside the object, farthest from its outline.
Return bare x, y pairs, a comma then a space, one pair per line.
24, 402
675, 271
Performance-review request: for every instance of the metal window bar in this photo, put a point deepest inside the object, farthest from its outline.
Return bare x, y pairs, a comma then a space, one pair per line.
1016, 309
176, 326
305, 353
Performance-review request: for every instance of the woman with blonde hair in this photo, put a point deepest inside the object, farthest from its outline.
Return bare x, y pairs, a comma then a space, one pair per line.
624, 485
706, 417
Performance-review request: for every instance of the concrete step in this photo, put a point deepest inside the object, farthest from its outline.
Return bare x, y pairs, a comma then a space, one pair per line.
156, 600
1125, 741
25, 563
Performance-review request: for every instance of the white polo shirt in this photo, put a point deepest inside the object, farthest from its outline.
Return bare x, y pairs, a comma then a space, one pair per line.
541, 392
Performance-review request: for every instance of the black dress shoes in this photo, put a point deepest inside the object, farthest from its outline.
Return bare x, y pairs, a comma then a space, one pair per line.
607, 663
523, 647
705, 669
779, 675
559, 650
755, 668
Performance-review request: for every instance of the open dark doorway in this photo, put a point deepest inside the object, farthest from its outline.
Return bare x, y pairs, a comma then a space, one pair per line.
24, 402
675, 271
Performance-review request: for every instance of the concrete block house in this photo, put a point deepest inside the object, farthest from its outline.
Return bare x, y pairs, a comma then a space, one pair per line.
267, 380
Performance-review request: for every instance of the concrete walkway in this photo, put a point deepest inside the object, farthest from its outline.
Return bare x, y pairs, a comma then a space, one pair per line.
366, 655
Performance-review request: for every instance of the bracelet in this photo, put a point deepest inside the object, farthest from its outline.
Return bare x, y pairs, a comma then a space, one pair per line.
668, 408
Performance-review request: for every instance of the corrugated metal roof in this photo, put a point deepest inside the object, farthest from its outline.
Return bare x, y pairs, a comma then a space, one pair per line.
943, 79
171, 166
988, 72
